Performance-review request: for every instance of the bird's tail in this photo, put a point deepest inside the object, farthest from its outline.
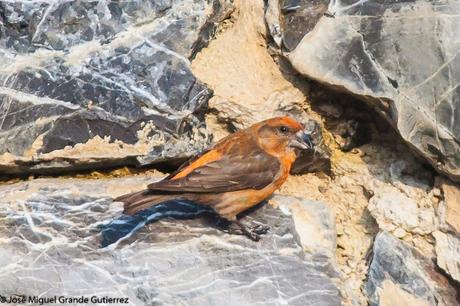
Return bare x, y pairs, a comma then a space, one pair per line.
137, 201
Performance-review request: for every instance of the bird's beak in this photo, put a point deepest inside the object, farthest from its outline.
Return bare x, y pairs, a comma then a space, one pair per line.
302, 141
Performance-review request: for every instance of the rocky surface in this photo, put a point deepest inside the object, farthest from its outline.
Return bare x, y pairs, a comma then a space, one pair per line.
448, 236
101, 83
377, 225
399, 56
448, 253
368, 163
449, 210
396, 212
401, 274
51, 232
312, 219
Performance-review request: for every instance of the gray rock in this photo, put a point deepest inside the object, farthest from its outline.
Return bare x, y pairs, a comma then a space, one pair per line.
119, 71
50, 244
397, 267
401, 57
311, 219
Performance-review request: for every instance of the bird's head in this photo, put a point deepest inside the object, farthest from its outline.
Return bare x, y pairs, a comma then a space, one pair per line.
283, 135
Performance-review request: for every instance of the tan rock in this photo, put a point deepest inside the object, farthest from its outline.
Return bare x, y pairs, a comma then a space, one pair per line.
247, 83
449, 210
392, 295
396, 211
448, 253
400, 232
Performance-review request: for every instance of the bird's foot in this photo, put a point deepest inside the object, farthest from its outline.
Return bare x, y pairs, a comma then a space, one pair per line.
260, 229
251, 228
254, 230
256, 226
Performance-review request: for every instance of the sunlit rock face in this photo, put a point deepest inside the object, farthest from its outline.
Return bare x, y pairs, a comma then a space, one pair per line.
67, 237
80, 80
402, 57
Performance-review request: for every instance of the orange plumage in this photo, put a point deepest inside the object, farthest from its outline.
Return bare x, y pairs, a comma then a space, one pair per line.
237, 173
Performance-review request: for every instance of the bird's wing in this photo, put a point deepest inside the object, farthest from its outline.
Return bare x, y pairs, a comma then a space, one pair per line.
185, 164
231, 172
212, 154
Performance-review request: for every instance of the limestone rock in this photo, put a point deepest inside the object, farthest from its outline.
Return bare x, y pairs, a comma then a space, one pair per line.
50, 244
311, 219
401, 57
116, 73
396, 212
391, 294
449, 210
448, 253
399, 270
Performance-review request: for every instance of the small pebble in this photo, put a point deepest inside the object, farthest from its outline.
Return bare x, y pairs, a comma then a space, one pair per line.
399, 232
346, 270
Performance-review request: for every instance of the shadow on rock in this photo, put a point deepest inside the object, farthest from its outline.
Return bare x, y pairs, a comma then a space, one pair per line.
125, 226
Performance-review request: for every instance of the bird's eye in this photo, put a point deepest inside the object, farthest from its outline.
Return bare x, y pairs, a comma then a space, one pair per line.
283, 129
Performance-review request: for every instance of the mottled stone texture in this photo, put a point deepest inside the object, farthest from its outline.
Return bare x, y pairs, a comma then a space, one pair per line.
448, 253
397, 264
75, 70
50, 244
402, 57
448, 236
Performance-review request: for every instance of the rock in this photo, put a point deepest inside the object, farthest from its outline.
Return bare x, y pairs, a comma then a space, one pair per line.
248, 85
449, 210
400, 57
399, 232
83, 80
396, 169
448, 237
448, 253
394, 211
399, 271
392, 295
50, 244
311, 219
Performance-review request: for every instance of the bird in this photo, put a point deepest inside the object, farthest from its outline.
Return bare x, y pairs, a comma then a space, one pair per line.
237, 173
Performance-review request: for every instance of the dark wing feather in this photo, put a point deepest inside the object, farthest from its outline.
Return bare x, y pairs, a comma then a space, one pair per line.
230, 173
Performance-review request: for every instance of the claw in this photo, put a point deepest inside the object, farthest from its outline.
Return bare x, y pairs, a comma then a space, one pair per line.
252, 229
260, 229
253, 232
233, 231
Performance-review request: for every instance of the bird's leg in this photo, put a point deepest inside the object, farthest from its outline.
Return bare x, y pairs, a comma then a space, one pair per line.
228, 226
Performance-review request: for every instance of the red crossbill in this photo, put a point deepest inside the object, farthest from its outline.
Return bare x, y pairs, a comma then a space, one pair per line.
237, 173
